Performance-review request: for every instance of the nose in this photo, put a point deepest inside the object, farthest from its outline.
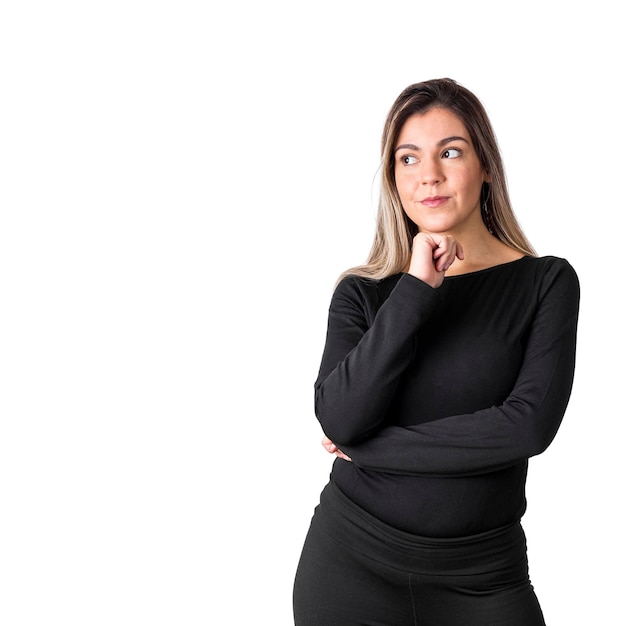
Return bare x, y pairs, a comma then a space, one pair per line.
431, 172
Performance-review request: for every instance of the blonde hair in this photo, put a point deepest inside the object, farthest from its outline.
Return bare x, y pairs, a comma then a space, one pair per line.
391, 250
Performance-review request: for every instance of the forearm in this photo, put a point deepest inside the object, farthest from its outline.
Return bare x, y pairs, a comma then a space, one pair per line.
460, 445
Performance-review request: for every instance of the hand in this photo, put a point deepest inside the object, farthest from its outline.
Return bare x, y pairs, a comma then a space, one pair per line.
432, 255
333, 449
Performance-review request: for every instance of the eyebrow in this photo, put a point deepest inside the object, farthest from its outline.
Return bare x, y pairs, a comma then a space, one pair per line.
442, 142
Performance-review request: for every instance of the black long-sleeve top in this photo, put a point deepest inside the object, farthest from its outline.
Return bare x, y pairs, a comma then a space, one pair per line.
440, 396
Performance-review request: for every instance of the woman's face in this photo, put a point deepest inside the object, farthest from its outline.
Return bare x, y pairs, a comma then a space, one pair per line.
438, 174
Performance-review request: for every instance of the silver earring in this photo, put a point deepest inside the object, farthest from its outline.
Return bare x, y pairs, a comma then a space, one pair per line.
486, 213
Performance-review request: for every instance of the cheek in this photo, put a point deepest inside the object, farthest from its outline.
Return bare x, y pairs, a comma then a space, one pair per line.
404, 185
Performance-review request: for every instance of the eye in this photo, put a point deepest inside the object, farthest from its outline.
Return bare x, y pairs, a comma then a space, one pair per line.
451, 153
407, 159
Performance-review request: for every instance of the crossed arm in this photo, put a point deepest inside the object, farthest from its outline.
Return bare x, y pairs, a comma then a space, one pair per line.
494, 437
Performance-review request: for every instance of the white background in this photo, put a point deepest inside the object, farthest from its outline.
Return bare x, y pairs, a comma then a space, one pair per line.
181, 183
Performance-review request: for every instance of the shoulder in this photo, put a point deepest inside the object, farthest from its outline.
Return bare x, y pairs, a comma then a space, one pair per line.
363, 288
556, 276
359, 293
551, 263
553, 268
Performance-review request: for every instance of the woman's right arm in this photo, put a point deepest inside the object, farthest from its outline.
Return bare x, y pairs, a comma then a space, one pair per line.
362, 363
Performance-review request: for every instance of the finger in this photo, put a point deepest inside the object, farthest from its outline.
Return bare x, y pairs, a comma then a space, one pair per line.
448, 256
445, 261
442, 247
343, 455
329, 445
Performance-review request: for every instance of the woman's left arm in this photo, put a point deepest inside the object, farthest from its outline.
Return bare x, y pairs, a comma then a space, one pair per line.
524, 425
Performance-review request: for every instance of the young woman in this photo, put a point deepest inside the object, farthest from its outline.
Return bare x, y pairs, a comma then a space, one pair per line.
448, 362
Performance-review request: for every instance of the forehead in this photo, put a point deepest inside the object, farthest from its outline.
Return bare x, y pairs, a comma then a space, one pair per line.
433, 125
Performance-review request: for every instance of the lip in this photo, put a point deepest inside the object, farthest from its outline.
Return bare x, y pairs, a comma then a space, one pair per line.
434, 201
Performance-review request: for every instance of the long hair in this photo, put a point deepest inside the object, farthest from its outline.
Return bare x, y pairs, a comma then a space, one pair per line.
393, 239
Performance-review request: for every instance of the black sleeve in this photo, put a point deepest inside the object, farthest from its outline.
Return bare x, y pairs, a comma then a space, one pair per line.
522, 426
362, 362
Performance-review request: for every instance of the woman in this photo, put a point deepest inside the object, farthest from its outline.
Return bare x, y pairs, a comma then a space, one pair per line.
448, 362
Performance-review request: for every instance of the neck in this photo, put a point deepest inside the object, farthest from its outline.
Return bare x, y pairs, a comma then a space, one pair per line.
481, 252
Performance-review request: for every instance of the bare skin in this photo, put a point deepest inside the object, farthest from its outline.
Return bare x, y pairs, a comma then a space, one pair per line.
439, 178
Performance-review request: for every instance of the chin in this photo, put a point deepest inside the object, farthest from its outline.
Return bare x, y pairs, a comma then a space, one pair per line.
439, 228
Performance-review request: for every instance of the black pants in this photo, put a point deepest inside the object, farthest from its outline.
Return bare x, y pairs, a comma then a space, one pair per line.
355, 569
